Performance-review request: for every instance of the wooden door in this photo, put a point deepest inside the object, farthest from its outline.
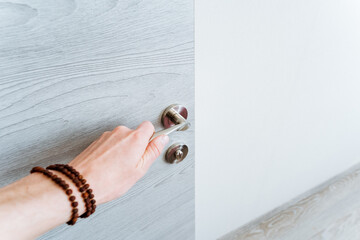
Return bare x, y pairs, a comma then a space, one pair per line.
70, 70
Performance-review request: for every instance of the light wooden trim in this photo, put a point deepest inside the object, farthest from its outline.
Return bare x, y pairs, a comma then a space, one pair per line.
329, 211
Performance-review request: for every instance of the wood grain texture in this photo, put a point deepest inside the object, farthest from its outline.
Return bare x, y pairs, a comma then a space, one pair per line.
330, 211
70, 70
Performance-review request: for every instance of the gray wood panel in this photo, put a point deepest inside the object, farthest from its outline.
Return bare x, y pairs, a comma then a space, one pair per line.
330, 211
70, 70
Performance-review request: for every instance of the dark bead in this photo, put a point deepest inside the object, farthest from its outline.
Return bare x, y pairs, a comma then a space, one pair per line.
72, 221
54, 176
75, 210
72, 176
74, 204
69, 192
86, 186
89, 190
81, 189
85, 195
72, 198
80, 177
83, 181
37, 169
77, 174
87, 200
75, 215
91, 196
50, 173
92, 211
78, 184
66, 186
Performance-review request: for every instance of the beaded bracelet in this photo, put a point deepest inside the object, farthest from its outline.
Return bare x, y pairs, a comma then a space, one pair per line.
63, 185
80, 182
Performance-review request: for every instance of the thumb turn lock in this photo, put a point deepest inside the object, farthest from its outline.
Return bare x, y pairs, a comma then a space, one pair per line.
174, 118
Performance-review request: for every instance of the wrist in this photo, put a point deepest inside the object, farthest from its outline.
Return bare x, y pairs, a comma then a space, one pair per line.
36, 202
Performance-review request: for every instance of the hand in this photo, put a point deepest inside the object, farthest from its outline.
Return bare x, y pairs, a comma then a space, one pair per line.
118, 159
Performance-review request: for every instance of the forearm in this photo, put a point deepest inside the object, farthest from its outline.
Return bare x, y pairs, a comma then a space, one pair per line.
33, 205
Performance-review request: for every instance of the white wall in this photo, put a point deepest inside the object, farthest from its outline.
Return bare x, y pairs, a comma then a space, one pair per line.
277, 104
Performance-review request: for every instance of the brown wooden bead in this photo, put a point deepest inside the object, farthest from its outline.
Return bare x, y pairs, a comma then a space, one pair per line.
72, 221
93, 201
69, 192
85, 195
75, 210
86, 186
72, 198
89, 190
91, 196
83, 181
74, 204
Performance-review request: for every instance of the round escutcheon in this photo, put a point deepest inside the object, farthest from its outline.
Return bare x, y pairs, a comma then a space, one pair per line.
176, 153
175, 114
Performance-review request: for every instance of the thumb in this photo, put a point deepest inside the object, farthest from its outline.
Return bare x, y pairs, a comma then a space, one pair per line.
153, 151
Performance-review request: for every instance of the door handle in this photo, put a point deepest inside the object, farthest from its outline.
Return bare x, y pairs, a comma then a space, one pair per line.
174, 118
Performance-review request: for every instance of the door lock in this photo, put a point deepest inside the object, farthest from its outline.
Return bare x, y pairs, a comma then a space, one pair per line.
176, 153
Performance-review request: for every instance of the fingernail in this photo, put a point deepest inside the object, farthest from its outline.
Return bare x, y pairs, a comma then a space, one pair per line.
164, 139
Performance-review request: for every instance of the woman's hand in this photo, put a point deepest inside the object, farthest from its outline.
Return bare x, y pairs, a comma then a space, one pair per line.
118, 159
111, 165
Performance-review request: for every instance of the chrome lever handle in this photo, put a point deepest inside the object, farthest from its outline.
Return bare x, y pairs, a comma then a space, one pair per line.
169, 130
174, 119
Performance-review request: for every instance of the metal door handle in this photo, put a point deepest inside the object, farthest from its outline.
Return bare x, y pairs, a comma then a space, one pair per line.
174, 119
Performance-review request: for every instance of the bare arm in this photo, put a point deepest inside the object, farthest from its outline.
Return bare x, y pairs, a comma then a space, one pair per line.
34, 204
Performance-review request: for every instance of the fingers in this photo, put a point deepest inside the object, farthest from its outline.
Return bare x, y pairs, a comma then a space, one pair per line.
153, 151
146, 129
